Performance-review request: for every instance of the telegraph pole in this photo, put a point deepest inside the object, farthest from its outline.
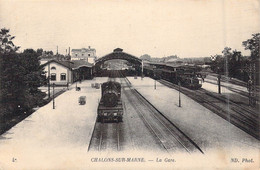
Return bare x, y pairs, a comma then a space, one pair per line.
252, 84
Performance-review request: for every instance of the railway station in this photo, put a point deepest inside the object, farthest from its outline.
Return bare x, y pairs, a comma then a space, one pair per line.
154, 107
124, 85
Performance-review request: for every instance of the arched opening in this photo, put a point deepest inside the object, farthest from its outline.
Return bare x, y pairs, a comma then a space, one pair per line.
118, 60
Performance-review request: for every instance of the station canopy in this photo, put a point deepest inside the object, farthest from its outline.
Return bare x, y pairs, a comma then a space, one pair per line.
119, 54
76, 64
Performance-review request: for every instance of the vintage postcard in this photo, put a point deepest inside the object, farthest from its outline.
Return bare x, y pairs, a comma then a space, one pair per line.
120, 84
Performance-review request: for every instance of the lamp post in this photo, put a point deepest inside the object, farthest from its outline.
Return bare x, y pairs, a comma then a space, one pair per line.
53, 102
76, 80
49, 90
142, 69
179, 94
49, 93
154, 81
154, 76
219, 85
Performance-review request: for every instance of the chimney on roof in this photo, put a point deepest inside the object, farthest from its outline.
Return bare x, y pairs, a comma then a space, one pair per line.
69, 51
88, 47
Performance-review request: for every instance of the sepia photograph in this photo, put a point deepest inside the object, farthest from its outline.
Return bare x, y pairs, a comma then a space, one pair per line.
129, 84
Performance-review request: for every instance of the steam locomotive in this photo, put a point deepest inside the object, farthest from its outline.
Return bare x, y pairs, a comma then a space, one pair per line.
110, 106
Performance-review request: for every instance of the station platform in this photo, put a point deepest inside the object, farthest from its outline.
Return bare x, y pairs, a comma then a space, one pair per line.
209, 131
52, 136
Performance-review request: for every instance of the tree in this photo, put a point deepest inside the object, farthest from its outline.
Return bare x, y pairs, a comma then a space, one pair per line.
145, 57
252, 44
49, 52
33, 77
227, 54
6, 44
39, 51
10, 81
20, 77
234, 64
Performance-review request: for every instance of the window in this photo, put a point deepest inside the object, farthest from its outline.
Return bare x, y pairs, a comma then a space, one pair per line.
76, 55
53, 68
88, 54
53, 77
82, 54
62, 76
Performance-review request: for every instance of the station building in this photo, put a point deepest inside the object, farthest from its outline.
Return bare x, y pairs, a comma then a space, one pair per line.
67, 72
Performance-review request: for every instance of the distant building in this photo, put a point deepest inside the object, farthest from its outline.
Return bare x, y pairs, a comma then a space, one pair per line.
45, 58
87, 54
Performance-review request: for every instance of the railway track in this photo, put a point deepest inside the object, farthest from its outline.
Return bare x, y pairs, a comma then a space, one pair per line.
106, 136
168, 135
227, 79
243, 117
110, 136
240, 92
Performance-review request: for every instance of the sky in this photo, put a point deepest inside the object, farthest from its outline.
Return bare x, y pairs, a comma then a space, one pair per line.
186, 28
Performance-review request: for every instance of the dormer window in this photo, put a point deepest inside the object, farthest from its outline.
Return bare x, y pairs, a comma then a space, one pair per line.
53, 68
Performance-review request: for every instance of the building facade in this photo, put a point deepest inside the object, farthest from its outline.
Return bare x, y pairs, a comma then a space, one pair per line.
67, 72
59, 72
87, 54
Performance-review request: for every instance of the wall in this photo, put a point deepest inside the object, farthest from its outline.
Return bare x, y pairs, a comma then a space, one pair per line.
59, 69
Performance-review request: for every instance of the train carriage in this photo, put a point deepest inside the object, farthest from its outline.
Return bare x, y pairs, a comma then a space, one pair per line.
185, 75
190, 81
